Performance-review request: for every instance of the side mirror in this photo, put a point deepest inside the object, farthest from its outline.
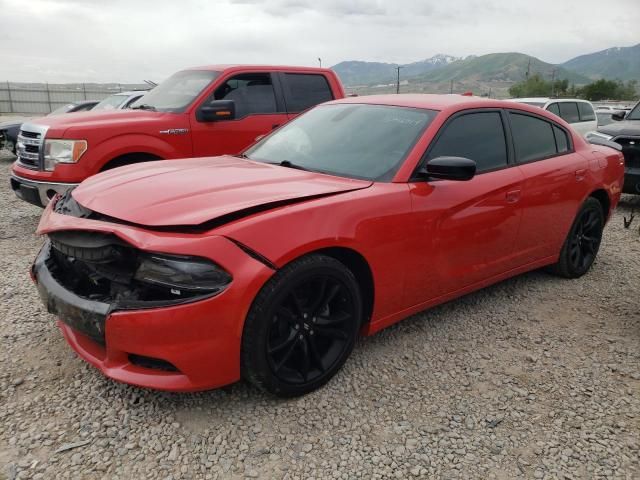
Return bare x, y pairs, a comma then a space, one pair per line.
449, 168
618, 116
216, 110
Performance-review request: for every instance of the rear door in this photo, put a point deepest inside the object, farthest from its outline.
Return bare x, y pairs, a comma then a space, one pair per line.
467, 230
304, 90
259, 109
554, 184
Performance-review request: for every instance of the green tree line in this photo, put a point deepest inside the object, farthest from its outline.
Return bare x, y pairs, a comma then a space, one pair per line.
536, 86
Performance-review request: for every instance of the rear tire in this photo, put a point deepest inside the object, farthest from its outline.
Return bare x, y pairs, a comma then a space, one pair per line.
583, 241
301, 327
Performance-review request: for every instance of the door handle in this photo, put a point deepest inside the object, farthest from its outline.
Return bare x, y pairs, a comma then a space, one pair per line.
513, 196
273, 127
580, 174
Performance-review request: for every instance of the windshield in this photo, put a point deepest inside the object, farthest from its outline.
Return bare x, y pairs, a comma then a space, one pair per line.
63, 109
635, 113
351, 140
111, 103
178, 91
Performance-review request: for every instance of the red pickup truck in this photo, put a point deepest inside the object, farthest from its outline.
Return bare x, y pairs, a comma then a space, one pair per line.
202, 111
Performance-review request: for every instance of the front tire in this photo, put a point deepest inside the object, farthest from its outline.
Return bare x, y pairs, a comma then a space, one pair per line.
583, 241
301, 327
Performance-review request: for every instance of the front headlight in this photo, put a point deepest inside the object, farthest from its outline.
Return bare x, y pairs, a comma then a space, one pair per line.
599, 135
182, 274
62, 151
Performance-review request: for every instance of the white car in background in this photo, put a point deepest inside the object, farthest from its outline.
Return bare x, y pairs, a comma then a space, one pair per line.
580, 114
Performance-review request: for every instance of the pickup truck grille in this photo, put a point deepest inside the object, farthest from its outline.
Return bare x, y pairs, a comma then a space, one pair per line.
29, 146
630, 150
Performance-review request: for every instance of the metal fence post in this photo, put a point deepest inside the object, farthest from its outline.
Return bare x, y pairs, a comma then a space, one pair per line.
84, 90
49, 98
10, 99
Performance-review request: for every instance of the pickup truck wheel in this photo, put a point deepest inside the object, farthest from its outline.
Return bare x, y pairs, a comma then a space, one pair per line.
301, 327
581, 245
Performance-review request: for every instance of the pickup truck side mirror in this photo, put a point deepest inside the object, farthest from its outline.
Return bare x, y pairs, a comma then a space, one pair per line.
618, 115
216, 110
449, 168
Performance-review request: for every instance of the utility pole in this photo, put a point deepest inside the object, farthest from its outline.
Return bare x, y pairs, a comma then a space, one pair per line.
451, 87
553, 80
398, 80
320, 62
528, 69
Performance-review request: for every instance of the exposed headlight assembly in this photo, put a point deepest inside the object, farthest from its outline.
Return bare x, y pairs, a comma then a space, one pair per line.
62, 151
182, 275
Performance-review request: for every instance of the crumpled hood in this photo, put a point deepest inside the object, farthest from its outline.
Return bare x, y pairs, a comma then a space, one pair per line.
625, 127
195, 191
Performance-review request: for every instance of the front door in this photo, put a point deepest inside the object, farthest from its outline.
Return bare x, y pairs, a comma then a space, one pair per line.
465, 231
259, 109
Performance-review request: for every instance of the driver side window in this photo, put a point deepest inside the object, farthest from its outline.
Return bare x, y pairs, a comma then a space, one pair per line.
478, 136
252, 93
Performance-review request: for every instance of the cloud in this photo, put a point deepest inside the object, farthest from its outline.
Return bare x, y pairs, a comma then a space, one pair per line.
124, 41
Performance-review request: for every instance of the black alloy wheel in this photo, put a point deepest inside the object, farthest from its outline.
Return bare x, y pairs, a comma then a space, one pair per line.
302, 326
583, 242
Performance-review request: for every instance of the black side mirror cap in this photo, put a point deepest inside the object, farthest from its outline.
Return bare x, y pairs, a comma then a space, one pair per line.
449, 168
618, 116
216, 110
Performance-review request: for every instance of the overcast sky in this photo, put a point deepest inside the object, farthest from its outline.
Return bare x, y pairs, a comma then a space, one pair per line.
127, 41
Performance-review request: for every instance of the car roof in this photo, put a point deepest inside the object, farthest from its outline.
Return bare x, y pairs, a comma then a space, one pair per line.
432, 101
232, 67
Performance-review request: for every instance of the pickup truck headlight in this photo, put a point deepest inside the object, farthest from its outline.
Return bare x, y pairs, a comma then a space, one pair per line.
62, 151
182, 274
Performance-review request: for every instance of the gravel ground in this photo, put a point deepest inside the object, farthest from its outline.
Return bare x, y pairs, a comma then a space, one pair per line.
537, 377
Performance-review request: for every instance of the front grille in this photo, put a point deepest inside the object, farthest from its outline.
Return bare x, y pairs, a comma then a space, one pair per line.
29, 146
630, 150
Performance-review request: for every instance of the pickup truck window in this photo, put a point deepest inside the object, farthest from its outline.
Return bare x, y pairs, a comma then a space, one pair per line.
569, 112
357, 141
177, 92
251, 92
306, 90
586, 112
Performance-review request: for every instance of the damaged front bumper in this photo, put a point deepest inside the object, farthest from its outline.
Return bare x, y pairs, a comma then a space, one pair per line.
185, 347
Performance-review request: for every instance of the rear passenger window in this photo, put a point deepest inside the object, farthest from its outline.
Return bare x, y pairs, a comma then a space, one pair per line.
562, 142
533, 138
306, 90
553, 108
477, 136
586, 112
569, 112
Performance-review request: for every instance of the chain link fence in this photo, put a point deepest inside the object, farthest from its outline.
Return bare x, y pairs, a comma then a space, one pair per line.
46, 97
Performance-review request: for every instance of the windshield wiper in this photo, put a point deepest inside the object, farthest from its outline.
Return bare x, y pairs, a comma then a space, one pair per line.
242, 155
144, 106
289, 164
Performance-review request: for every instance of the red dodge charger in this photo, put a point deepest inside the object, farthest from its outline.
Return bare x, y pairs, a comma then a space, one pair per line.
266, 266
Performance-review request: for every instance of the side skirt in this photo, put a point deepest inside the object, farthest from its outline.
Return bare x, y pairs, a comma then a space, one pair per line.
378, 325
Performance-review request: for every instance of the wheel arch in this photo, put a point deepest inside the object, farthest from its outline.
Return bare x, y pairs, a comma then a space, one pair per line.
360, 268
605, 202
128, 159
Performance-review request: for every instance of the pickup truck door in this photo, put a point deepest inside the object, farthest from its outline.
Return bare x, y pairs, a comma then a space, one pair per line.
259, 109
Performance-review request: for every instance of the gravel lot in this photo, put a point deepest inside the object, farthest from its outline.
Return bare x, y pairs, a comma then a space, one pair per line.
536, 377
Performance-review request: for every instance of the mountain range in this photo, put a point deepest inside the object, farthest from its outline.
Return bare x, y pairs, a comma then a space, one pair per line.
614, 63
